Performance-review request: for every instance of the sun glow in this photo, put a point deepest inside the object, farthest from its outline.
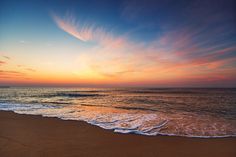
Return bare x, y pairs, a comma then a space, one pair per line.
87, 52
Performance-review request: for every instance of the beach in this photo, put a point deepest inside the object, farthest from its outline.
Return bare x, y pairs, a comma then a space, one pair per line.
117, 78
31, 135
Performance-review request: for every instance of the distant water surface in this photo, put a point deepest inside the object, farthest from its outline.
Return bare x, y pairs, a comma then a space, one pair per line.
147, 111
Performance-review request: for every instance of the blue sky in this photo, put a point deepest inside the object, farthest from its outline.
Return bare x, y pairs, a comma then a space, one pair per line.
162, 43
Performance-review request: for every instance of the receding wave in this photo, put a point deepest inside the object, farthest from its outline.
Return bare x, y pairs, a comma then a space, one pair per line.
72, 95
135, 108
190, 112
55, 102
121, 107
76, 95
143, 123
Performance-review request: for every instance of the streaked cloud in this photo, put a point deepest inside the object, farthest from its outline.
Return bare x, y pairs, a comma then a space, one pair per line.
80, 30
13, 71
30, 69
152, 42
10, 74
6, 57
2, 62
185, 53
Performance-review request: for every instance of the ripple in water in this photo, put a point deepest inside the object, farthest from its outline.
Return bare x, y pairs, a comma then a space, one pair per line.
179, 112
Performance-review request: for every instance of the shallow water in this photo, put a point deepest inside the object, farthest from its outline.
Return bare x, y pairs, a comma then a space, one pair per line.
148, 111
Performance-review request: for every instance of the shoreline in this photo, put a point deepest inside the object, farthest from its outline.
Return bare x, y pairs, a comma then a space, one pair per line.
140, 134
35, 135
136, 133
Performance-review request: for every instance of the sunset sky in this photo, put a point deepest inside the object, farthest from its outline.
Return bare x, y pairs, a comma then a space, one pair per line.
150, 43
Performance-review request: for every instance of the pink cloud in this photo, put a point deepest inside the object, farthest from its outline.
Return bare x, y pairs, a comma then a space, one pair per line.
30, 69
2, 62
82, 31
10, 74
175, 55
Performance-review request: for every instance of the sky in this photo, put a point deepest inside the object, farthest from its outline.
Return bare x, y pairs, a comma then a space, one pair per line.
150, 43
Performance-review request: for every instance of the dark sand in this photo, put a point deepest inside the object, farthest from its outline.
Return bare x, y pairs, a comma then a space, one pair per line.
25, 135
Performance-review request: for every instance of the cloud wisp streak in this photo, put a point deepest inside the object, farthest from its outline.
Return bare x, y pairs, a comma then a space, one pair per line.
142, 42
184, 53
11, 74
82, 31
6, 57
2, 63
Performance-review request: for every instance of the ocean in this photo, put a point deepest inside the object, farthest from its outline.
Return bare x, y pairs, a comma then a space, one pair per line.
190, 112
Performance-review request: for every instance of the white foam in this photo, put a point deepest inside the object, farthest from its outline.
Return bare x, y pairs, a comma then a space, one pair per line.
150, 124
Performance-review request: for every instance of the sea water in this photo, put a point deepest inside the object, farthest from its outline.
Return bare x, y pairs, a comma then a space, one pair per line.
191, 112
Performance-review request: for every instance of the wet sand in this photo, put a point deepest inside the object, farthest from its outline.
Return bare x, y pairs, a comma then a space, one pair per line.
36, 136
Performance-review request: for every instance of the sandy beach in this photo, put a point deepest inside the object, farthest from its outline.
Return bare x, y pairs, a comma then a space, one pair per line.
26, 135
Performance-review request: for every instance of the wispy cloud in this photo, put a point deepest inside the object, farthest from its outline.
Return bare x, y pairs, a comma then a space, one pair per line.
11, 74
2, 62
26, 68
81, 30
6, 57
187, 53
24, 42
30, 69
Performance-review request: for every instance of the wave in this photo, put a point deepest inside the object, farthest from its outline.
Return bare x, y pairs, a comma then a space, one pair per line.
120, 107
75, 95
72, 95
56, 102
135, 108
150, 124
